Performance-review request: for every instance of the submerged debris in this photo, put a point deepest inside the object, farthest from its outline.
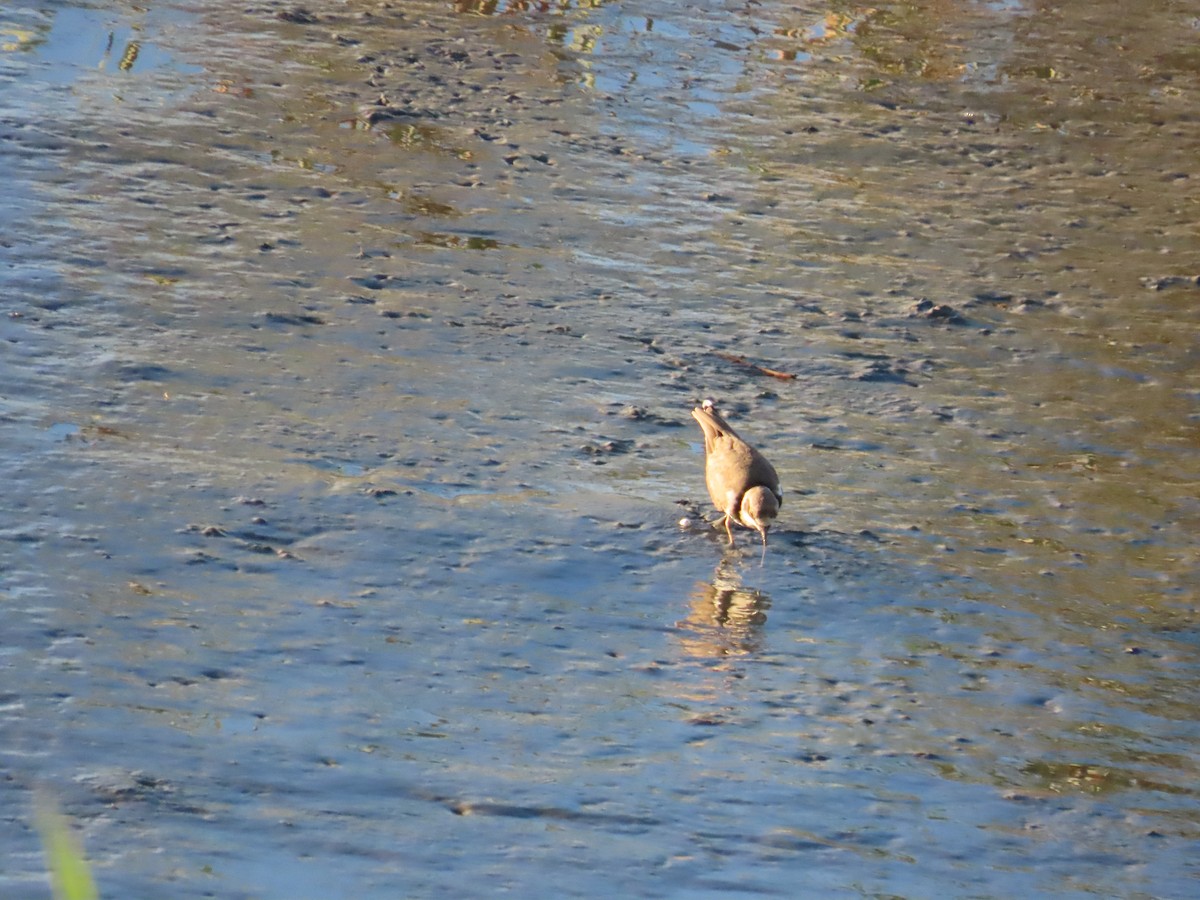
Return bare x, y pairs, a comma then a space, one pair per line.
607, 447
762, 370
927, 309
1161, 282
297, 15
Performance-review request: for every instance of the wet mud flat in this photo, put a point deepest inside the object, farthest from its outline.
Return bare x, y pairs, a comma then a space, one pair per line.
349, 356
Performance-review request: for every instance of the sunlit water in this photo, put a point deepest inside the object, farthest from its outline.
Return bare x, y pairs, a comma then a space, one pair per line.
347, 364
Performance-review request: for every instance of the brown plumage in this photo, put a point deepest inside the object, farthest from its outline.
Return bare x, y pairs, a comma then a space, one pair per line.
741, 483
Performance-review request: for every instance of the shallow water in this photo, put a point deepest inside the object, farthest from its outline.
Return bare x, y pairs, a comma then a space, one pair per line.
345, 398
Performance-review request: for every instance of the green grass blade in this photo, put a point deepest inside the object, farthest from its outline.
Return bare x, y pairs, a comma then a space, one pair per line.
70, 874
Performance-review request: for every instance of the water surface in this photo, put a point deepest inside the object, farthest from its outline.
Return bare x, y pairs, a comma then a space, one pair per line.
348, 362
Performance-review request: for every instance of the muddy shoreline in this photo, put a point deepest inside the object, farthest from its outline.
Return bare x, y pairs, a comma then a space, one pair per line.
350, 355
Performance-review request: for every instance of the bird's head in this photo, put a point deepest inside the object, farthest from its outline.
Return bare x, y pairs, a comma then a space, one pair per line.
759, 509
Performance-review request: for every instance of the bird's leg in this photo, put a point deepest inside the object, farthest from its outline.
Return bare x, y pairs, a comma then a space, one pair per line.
763, 532
728, 530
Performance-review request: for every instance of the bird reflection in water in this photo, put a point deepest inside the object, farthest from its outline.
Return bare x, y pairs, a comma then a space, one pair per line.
725, 618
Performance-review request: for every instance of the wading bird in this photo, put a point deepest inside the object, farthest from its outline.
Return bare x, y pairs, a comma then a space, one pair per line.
741, 483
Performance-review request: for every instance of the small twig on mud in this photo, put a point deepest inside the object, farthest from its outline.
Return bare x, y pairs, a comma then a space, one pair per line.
763, 370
